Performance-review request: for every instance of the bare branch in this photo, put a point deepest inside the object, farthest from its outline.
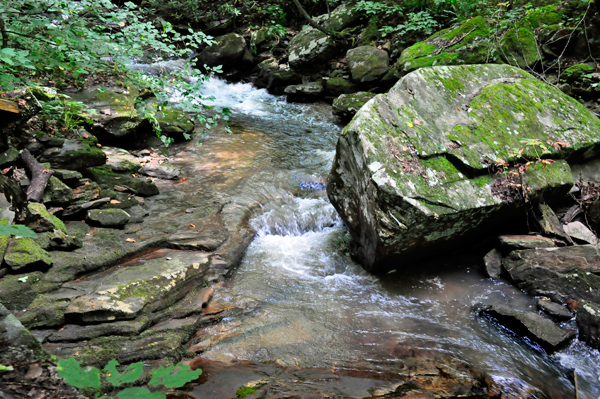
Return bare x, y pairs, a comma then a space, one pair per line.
312, 22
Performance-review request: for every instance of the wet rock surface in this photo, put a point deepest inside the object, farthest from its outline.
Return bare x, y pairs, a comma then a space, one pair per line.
532, 325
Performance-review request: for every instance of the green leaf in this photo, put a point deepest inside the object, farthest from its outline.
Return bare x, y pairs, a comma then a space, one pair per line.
17, 230
139, 393
131, 374
75, 375
166, 377
6, 368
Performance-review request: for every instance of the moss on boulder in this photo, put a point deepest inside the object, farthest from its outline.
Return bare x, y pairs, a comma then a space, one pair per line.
367, 63
25, 255
109, 179
347, 105
17, 292
473, 42
411, 177
75, 154
113, 217
57, 192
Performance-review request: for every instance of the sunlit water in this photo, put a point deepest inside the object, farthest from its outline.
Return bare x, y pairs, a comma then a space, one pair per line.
308, 304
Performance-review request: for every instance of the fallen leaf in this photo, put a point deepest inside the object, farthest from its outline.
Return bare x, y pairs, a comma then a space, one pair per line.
120, 188
85, 136
183, 179
417, 122
115, 202
410, 124
98, 145
192, 225
129, 240
458, 108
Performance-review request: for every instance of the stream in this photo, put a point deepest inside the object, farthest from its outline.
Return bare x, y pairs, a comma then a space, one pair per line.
308, 305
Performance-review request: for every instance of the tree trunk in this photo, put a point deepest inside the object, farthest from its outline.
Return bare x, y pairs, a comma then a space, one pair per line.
39, 177
4, 34
312, 22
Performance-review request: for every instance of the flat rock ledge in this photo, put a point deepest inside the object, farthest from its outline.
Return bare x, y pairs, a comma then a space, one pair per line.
539, 329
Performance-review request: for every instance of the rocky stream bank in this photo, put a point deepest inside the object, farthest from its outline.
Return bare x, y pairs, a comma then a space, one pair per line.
126, 263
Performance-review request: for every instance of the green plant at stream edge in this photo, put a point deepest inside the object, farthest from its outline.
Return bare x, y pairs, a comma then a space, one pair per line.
91, 377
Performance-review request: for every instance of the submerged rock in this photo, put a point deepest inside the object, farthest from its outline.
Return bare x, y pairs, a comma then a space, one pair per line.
531, 325
410, 177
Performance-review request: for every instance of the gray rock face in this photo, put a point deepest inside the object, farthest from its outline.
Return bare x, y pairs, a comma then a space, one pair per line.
580, 233
410, 177
305, 92
493, 263
119, 160
367, 63
108, 217
74, 154
541, 330
344, 16
516, 242
588, 322
227, 50
559, 273
347, 105
310, 47
163, 171
554, 310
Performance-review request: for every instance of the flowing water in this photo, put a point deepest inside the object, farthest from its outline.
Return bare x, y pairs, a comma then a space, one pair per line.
308, 305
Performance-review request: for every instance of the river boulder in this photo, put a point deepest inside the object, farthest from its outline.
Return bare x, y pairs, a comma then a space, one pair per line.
411, 176
227, 50
473, 42
367, 63
310, 47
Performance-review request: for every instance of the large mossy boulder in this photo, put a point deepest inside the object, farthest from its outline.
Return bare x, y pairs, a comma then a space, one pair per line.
227, 51
411, 176
310, 48
367, 63
117, 118
342, 17
474, 42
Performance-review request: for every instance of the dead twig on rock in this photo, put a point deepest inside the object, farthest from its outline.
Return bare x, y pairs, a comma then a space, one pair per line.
39, 177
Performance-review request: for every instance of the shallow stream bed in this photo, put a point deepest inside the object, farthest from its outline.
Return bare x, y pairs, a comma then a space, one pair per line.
307, 305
